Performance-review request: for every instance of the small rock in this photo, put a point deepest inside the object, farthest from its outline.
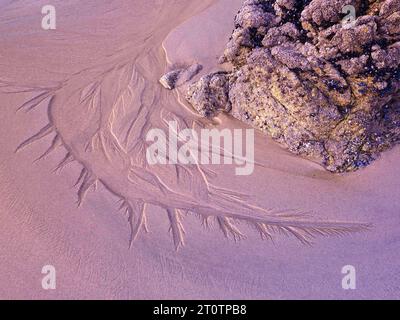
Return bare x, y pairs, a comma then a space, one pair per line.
168, 80
176, 78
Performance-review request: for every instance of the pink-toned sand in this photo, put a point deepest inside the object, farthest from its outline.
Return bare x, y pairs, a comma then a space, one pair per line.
99, 48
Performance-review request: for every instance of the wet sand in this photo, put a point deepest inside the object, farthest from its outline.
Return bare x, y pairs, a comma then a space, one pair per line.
95, 80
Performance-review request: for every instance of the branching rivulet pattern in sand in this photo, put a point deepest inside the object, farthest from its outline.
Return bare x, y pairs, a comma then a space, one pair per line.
325, 87
101, 115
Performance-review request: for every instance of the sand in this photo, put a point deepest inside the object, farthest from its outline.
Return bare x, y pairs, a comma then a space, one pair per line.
96, 81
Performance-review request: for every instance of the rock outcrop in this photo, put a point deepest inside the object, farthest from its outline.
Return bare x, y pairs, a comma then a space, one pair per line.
325, 89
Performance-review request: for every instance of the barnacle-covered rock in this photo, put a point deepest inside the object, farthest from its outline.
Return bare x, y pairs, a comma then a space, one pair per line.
326, 90
210, 94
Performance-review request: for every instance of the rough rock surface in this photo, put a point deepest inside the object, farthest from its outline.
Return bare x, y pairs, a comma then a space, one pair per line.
213, 92
326, 90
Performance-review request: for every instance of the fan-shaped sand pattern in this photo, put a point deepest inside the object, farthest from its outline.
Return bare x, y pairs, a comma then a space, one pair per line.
101, 115
98, 42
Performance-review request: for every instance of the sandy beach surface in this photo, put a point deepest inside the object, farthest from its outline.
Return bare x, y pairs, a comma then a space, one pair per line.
89, 90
